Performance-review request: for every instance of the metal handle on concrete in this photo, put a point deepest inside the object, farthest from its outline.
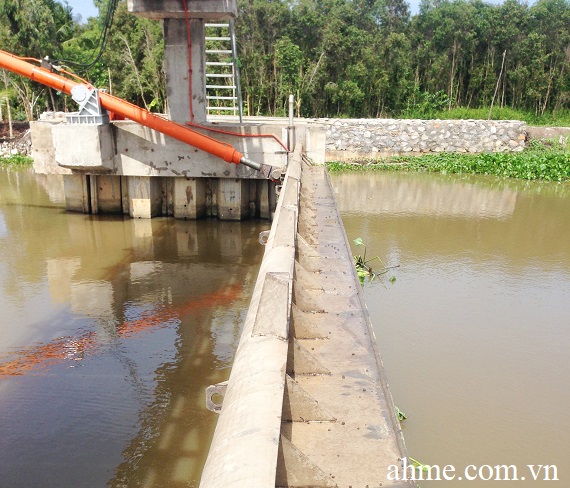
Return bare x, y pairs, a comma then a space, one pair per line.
264, 237
217, 389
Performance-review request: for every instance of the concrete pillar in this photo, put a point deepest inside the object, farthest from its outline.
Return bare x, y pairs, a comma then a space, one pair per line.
145, 196
264, 209
233, 199
189, 198
108, 190
76, 189
177, 72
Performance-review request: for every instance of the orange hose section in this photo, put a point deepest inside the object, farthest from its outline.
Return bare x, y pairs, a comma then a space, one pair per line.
237, 134
125, 109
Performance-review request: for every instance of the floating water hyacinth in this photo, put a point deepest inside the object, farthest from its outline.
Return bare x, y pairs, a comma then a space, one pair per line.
363, 268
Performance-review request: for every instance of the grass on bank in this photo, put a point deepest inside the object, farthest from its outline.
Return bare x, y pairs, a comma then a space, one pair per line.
547, 161
17, 160
560, 118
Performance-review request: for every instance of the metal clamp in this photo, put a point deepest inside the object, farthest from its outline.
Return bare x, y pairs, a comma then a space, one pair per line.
264, 237
217, 389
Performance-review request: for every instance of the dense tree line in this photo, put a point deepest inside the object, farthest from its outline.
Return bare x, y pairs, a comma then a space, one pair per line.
362, 58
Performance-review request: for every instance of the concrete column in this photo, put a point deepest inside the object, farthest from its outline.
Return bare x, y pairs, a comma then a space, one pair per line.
145, 197
108, 190
189, 198
76, 189
233, 199
177, 72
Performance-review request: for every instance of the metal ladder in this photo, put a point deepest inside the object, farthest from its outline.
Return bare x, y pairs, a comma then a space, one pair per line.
223, 91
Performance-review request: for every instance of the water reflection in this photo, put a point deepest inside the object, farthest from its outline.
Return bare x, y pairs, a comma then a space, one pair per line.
111, 329
470, 217
395, 195
475, 331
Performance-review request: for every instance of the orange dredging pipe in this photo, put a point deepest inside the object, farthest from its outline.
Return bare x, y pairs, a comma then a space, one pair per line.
127, 110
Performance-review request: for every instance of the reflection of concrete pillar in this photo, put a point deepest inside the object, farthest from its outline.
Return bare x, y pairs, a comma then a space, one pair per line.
177, 72
76, 189
60, 271
92, 298
140, 270
233, 199
187, 239
230, 239
108, 193
145, 196
189, 198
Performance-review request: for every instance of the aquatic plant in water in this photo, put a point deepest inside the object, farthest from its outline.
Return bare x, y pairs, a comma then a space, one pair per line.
363, 267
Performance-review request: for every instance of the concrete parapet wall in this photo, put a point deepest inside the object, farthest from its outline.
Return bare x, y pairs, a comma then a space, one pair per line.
128, 149
365, 138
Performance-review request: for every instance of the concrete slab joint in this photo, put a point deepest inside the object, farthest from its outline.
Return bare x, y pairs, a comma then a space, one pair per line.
273, 311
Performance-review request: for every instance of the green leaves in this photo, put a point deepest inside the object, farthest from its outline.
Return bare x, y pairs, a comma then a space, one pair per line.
363, 268
536, 163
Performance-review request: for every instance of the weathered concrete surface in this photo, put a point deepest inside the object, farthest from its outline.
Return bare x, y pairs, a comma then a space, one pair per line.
140, 151
244, 451
76, 193
167, 9
323, 416
86, 147
145, 199
331, 322
549, 133
177, 71
189, 198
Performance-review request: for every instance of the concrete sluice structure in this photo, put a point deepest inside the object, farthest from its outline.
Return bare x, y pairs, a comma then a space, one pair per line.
307, 403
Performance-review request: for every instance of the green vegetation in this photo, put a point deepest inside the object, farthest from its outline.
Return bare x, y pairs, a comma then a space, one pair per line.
340, 58
561, 118
363, 267
548, 161
16, 160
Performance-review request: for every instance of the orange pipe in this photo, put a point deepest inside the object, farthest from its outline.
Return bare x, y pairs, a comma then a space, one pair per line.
128, 110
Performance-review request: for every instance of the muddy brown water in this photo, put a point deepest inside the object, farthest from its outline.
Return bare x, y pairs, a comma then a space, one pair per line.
110, 330
475, 331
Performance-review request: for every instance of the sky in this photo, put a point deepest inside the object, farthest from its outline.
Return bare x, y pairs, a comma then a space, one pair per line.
85, 8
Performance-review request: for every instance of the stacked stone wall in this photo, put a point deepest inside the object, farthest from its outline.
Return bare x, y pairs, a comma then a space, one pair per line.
375, 138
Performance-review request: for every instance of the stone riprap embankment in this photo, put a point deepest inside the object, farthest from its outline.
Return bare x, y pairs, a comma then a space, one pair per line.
19, 143
375, 138
11, 148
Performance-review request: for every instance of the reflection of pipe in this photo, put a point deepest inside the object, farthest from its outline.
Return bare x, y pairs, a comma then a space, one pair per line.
39, 358
128, 110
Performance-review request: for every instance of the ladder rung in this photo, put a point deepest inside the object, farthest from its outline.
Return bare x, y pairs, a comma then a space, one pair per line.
218, 51
218, 38
219, 63
216, 25
219, 75
221, 98
221, 87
